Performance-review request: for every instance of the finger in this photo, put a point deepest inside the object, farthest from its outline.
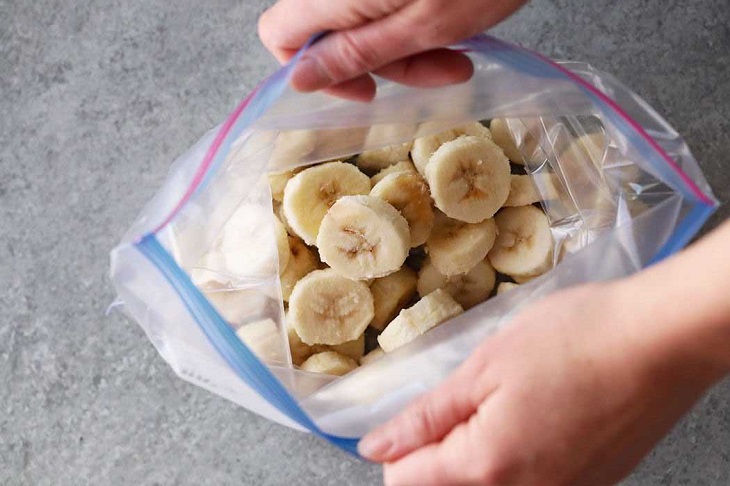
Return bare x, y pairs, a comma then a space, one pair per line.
284, 26
430, 69
452, 461
349, 53
360, 89
432, 416
416, 27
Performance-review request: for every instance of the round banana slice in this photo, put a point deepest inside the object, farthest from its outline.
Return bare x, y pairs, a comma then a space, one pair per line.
363, 237
427, 313
590, 147
503, 137
521, 279
404, 166
468, 289
372, 356
378, 159
378, 135
424, 147
299, 351
329, 363
408, 193
391, 294
456, 247
327, 308
234, 305
210, 271
309, 195
278, 181
246, 249
353, 349
263, 339
524, 189
588, 168
302, 260
506, 287
524, 245
282, 244
279, 213
469, 178
292, 146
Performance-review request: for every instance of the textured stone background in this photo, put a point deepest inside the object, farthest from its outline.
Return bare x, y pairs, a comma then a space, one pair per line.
97, 98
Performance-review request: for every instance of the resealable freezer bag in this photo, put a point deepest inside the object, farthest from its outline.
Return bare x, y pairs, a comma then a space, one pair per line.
624, 192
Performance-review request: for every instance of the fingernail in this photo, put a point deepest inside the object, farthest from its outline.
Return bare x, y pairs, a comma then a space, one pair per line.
309, 76
374, 446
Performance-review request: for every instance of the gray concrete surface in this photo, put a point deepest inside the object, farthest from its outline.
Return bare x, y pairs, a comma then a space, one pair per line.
96, 99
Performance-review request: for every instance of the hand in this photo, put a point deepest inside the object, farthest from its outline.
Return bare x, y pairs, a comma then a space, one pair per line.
400, 40
576, 390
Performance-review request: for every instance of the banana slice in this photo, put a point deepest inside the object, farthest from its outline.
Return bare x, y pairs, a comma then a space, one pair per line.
523, 279
352, 349
234, 305
278, 181
408, 193
327, 308
207, 272
309, 195
391, 294
524, 245
263, 339
372, 356
282, 244
469, 178
424, 147
302, 260
363, 237
292, 146
246, 249
404, 166
427, 313
505, 287
468, 289
299, 351
378, 159
329, 363
380, 134
590, 171
596, 147
503, 137
591, 147
279, 212
456, 247
524, 189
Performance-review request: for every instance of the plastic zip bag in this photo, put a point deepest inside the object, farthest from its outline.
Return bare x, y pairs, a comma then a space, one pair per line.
623, 192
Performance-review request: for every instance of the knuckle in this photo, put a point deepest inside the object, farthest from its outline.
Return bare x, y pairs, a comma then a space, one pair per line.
354, 57
431, 22
425, 420
442, 34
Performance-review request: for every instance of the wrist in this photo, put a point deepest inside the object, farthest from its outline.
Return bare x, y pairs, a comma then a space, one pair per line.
682, 308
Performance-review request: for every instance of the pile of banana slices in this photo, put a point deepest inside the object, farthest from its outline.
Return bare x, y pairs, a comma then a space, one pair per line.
401, 239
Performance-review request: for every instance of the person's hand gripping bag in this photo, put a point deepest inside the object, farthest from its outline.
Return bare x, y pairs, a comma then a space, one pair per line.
208, 265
